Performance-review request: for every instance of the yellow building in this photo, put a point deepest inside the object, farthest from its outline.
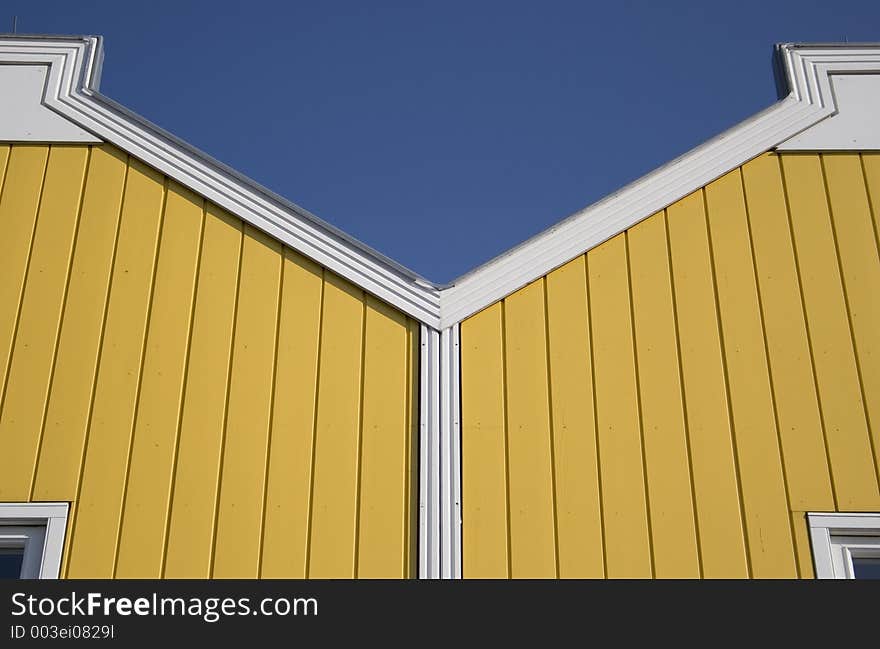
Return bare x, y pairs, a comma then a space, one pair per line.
201, 379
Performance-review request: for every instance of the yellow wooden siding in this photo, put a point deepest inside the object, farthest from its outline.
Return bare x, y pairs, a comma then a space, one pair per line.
243, 468
618, 415
579, 511
209, 402
711, 375
714, 470
847, 433
31, 363
667, 454
485, 481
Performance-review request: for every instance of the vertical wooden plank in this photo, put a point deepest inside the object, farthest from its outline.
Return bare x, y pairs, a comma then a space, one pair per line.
797, 406
191, 528
36, 337
95, 532
145, 508
860, 263
771, 549
67, 416
667, 461
871, 169
719, 521
802, 545
484, 447
240, 512
5, 150
382, 515
578, 502
627, 542
532, 518
68, 536
334, 510
846, 430
22, 186
288, 492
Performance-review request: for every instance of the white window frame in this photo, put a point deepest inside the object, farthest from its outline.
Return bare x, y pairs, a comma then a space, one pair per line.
837, 538
39, 528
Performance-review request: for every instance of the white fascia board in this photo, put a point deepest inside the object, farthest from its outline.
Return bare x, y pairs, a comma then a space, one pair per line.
811, 100
847, 77
74, 65
23, 117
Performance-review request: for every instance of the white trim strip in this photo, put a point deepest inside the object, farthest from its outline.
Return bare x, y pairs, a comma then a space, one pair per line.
54, 517
429, 455
823, 563
439, 456
450, 454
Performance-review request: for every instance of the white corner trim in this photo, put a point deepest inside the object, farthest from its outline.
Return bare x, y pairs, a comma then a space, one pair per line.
54, 517
450, 454
429, 454
74, 66
440, 455
810, 100
846, 78
824, 526
854, 127
23, 117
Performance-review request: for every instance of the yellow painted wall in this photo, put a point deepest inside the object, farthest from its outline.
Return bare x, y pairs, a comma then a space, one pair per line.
211, 403
671, 403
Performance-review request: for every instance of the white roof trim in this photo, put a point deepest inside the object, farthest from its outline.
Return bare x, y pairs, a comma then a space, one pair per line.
74, 66
71, 91
23, 117
810, 100
846, 78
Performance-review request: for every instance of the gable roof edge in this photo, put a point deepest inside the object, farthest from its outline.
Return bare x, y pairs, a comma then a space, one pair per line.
72, 91
810, 99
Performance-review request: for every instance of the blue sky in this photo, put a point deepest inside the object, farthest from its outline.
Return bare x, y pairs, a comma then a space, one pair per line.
444, 133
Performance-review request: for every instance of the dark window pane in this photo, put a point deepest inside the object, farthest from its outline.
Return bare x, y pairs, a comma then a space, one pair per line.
10, 562
866, 567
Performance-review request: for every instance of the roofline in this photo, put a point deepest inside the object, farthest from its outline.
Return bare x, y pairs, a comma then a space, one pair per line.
802, 73
299, 210
72, 91
808, 99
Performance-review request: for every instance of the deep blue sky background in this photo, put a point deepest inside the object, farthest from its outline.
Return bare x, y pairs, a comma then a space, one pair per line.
443, 133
